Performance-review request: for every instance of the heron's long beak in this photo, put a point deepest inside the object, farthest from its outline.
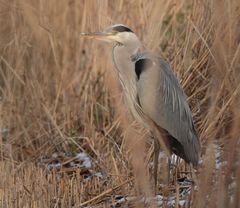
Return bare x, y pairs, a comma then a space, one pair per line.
108, 37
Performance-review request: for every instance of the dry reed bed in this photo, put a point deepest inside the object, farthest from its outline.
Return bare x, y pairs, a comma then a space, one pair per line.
59, 96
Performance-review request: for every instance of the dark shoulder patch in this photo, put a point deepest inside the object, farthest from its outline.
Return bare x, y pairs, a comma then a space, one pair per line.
141, 65
121, 28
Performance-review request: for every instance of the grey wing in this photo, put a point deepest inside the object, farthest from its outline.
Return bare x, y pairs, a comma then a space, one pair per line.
163, 100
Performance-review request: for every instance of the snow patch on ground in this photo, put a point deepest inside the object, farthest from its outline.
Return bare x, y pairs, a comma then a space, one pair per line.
158, 200
86, 161
56, 166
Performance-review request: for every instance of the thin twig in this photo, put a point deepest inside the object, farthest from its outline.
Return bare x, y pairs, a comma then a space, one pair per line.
105, 193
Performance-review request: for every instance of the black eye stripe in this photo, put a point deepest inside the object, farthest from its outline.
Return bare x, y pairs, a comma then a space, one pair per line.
121, 28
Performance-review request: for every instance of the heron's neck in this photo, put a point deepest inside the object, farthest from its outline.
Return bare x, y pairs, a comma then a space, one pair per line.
123, 57
128, 51
125, 65
126, 69
133, 50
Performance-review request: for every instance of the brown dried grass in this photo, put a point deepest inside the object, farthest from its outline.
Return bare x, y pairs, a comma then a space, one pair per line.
58, 91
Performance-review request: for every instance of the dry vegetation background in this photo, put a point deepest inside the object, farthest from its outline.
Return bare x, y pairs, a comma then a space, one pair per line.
58, 98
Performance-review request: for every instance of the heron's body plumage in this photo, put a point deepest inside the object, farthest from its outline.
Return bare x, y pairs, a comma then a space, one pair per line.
151, 89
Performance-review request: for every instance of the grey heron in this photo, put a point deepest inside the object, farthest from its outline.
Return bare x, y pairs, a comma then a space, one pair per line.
153, 95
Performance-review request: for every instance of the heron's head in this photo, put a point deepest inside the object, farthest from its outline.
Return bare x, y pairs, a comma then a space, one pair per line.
119, 34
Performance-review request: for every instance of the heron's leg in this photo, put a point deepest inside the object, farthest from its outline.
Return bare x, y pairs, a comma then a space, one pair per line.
191, 171
156, 156
169, 170
193, 175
